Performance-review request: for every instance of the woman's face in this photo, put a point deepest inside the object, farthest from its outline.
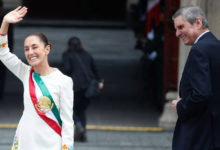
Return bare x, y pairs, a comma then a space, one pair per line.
35, 51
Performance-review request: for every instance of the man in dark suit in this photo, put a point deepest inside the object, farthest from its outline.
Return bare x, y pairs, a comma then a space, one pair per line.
198, 107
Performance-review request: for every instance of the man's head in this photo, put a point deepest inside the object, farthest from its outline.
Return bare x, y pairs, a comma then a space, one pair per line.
189, 23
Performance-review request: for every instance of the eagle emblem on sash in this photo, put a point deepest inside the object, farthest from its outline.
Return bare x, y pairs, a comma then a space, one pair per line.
44, 105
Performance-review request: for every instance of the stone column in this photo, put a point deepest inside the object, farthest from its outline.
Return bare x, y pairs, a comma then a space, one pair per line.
11, 4
213, 16
168, 119
190, 2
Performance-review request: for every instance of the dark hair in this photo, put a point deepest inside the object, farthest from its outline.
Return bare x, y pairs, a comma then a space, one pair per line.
41, 36
75, 45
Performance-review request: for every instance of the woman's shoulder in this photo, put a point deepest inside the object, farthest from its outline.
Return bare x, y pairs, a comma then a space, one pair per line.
62, 77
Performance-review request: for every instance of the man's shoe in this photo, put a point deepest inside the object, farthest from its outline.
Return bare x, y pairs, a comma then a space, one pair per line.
83, 138
79, 131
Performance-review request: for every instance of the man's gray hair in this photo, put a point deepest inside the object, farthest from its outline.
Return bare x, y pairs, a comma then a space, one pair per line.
190, 13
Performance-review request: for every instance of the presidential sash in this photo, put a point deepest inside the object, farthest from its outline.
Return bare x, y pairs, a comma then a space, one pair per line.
44, 106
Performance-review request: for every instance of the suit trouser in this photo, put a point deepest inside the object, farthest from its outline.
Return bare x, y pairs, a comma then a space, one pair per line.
81, 104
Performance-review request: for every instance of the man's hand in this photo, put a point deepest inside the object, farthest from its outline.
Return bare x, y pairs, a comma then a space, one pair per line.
100, 87
174, 103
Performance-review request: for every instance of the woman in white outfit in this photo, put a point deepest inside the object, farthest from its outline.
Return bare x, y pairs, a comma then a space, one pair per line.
46, 123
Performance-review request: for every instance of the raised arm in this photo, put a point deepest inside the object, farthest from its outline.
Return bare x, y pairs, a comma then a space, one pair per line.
14, 64
13, 16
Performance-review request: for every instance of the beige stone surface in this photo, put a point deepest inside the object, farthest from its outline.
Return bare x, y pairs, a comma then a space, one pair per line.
168, 119
189, 2
213, 16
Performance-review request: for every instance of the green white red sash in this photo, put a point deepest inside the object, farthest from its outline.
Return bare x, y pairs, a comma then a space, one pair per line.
51, 115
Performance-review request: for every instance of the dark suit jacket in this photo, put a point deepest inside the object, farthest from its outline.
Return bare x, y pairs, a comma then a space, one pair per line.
198, 124
73, 68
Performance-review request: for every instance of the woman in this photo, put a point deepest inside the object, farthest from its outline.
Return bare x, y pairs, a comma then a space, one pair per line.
79, 64
46, 123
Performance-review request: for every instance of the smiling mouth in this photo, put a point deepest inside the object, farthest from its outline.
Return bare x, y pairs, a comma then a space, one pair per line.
33, 58
182, 37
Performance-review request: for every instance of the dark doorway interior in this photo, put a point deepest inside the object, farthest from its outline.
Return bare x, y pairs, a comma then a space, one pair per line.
77, 9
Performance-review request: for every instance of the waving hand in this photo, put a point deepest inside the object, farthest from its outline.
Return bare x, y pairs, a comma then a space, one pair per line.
16, 15
13, 16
